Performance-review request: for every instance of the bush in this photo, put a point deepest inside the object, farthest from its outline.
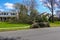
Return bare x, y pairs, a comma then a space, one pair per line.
41, 19
30, 22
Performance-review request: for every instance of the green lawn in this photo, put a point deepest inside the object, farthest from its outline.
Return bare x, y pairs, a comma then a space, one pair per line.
55, 24
4, 26
8, 26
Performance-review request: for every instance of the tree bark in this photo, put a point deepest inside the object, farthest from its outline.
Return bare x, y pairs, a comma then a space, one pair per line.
52, 11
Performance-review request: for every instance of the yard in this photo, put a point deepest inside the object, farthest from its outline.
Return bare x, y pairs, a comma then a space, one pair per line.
55, 24
4, 26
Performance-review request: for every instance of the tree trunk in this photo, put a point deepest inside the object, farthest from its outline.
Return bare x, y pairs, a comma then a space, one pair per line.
52, 11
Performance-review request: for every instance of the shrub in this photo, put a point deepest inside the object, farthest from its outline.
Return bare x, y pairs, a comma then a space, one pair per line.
41, 19
30, 22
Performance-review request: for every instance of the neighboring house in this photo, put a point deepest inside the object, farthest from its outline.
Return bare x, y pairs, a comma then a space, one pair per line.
58, 13
45, 14
7, 15
48, 15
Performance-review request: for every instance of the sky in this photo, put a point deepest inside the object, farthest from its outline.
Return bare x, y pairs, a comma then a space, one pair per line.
6, 5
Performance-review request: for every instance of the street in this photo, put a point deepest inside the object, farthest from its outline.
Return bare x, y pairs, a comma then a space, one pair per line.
33, 34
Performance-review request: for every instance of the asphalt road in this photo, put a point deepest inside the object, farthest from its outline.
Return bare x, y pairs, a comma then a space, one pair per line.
33, 34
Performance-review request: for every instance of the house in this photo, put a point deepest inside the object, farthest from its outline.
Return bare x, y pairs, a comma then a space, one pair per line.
58, 13
7, 15
45, 14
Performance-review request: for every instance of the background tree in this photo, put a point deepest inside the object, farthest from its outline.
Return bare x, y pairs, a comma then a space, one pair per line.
51, 4
31, 5
21, 11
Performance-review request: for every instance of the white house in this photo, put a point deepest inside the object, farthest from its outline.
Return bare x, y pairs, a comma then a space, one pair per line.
58, 13
7, 15
46, 14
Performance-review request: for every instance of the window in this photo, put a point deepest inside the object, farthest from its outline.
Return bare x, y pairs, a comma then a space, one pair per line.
4, 13
13, 14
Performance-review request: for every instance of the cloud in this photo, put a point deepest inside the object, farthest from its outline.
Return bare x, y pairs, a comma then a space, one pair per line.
41, 0
1, 9
9, 5
48, 5
58, 0
55, 5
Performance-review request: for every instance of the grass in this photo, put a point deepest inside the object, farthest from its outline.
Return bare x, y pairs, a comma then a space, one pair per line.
9, 25
55, 24
4, 26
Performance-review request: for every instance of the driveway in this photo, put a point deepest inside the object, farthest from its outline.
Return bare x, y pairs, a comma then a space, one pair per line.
32, 34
